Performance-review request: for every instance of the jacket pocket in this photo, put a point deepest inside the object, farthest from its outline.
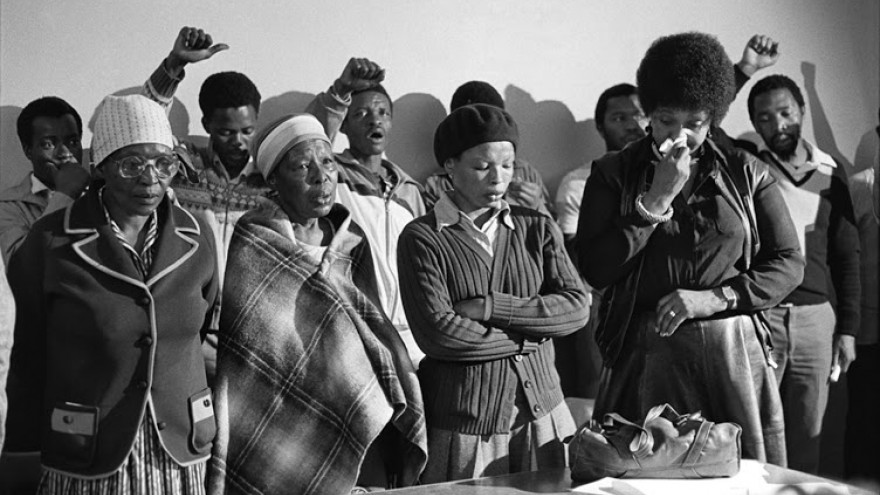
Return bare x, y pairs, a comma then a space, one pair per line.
73, 433
203, 426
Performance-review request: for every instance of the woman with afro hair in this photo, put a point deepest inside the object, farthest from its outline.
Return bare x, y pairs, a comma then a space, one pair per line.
692, 241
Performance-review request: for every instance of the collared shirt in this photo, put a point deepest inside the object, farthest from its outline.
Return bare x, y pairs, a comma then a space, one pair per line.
220, 169
218, 198
142, 259
815, 158
448, 214
820, 205
37, 186
569, 196
21, 206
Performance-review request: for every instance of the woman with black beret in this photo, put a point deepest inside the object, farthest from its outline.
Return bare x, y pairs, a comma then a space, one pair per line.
485, 287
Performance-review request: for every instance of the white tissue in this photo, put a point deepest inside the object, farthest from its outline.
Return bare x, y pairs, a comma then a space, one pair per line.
680, 140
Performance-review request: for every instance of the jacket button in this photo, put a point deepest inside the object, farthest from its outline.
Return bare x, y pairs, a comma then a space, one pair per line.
145, 341
518, 357
527, 384
161, 425
143, 385
144, 301
537, 408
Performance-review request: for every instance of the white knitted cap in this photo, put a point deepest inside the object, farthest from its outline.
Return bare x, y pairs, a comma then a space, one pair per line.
127, 120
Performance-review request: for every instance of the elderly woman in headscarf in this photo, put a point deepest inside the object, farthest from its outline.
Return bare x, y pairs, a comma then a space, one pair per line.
692, 241
485, 286
113, 294
314, 385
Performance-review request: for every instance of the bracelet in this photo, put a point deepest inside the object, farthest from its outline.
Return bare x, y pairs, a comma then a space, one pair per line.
651, 217
729, 296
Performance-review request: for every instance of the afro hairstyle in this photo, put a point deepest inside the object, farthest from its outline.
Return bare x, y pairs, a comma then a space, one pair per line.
768, 84
228, 90
47, 106
687, 71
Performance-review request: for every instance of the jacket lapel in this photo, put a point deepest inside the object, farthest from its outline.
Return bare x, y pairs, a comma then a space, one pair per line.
178, 240
99, 248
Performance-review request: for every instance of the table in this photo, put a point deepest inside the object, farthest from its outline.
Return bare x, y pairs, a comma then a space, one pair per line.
559, 481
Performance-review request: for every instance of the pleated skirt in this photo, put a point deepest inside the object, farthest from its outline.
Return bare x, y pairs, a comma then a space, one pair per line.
148, 470
531, 444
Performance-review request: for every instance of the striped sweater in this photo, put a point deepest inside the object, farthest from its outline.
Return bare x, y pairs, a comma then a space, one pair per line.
473, 368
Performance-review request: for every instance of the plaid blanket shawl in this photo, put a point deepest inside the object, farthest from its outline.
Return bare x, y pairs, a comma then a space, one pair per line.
309, 371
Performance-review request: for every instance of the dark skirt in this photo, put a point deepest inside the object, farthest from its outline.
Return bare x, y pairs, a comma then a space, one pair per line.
716, 366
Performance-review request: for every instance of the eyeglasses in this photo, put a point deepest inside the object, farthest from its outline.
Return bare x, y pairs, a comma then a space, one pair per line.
132, 167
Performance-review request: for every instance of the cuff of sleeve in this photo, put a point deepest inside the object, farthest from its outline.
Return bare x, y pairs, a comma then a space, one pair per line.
739, 77
634, 220
162, 84
346, 102
529, 346
487, 307
501, 310
848, 326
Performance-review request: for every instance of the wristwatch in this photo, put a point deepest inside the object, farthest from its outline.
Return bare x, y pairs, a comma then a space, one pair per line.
728, 295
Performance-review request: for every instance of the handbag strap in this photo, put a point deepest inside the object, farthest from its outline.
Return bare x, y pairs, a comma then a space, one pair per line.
700, 440
642, 443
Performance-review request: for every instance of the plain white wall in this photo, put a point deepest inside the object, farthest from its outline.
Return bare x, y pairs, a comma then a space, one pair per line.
550, 59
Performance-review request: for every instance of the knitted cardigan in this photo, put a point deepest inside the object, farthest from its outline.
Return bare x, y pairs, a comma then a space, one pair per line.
473, 368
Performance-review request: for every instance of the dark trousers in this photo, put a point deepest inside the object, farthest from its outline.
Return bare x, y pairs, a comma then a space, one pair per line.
863, 415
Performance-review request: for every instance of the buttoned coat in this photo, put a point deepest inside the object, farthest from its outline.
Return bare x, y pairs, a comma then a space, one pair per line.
96, 343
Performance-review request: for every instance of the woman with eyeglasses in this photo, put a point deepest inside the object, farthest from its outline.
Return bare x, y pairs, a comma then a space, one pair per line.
691, 240
113, 294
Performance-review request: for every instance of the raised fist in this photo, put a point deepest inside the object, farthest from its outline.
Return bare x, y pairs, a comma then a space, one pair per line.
359, 74
760, 52
193, 45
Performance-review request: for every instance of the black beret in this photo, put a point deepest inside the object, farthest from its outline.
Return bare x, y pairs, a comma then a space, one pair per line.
470, 126
475, 92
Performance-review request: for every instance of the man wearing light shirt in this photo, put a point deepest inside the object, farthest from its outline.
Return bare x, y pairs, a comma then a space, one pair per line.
50, 131
813, 340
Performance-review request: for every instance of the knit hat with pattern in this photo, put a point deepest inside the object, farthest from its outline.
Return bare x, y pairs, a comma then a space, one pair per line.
127, 120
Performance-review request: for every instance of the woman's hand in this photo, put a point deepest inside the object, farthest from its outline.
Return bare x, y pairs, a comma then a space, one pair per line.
670, 176
471, 308
680, 305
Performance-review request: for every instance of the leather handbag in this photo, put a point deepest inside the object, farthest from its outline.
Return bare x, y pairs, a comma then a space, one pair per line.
665, 445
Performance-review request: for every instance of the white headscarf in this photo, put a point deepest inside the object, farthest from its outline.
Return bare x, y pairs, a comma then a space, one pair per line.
281, 136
